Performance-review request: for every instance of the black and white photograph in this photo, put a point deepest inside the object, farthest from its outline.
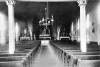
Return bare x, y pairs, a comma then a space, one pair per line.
49, 33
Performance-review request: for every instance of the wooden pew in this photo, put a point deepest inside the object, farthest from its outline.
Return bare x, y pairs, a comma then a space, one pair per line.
16, 54
28, 54
87, 63
83, 53
28, 57
19, 54
13, 62
74, 58
61, 50
66, 58
71, 48
68, 55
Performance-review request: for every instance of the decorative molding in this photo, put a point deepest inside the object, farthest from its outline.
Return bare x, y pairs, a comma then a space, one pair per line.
82, 2
43, 0
10, 2
47, 0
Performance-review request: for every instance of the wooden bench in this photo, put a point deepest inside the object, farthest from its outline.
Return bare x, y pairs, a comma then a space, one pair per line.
16, 59
12, 58
65, 57
13, 62
64, 48
68, 55
61, 51
74, 58
6, 54
83, 53
27, 54
72, 47
16, 55
87, 63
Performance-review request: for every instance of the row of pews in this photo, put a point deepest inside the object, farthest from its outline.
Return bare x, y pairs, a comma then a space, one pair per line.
71, 56
24, 55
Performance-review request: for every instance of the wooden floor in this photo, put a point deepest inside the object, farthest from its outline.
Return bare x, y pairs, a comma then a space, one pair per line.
46, 58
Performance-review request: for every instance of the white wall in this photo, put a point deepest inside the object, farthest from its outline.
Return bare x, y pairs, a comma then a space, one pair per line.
93, 10
93, 18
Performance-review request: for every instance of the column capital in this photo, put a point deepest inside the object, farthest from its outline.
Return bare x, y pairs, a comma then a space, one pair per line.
82, 2
10, 2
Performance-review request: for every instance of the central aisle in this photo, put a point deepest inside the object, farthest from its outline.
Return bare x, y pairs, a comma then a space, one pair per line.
46, 58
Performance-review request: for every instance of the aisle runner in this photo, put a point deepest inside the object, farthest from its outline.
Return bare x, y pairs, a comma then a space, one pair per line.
47, 58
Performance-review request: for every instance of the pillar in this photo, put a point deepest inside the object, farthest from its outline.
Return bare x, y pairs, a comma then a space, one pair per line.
2, 29
72, 32
17, 32
82, 4
78, 28
87, 27
31, 36
10, 4
58, 33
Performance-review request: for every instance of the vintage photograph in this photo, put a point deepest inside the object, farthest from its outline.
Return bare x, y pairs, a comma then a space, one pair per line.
49, 33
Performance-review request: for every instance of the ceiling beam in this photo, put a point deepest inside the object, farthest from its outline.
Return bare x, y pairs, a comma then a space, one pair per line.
47, 0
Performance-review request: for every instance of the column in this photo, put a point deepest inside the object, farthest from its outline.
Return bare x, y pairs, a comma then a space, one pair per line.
87, 28
17, 32
72, 32
58, 33
10, 4
78, 28
2, 29
82, 4
31, 36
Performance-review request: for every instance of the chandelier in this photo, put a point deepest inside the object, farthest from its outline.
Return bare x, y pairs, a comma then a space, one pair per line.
46, 22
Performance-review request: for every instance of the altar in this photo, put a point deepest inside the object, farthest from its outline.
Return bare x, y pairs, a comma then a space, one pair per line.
45, 38
66, 37
25, 38
45, 24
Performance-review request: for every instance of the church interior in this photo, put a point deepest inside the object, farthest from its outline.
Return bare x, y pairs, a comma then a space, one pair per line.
49, 33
